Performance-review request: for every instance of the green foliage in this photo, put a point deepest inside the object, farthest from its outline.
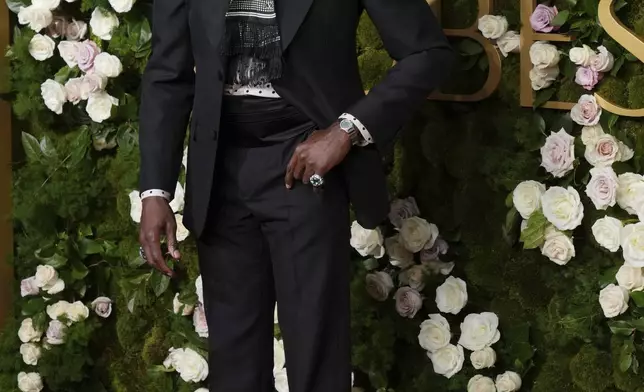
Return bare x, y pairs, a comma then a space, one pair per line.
591, 369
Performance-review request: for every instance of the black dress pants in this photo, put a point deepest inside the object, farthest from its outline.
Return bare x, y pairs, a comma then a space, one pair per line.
265, 243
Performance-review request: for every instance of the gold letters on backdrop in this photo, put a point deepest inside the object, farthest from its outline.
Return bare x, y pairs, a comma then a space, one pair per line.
629, 41
493, 56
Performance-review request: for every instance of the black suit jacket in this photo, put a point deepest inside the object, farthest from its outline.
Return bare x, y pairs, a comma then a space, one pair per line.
320, 77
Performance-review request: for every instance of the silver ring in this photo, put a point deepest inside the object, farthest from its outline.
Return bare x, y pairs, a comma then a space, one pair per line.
316, 180
142, 253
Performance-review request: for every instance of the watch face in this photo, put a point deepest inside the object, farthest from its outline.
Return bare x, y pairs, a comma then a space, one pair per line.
346, 124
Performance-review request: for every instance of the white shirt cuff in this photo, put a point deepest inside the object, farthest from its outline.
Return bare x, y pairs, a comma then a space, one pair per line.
366, 136
156, 193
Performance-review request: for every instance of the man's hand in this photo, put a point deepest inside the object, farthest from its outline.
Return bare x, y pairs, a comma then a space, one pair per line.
318, 154
157, 220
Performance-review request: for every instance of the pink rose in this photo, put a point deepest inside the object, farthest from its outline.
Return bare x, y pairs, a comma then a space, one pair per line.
587, 78
586, 111
55, 333
408, 302
92, 83
199, 321
542, 17
604, 152
87, 52
602, 187
558, 153
73, 88
29, 287
603, 60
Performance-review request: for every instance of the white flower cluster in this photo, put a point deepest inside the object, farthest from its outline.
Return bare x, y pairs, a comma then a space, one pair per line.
96, 66
197, 311
495, 27
545, 65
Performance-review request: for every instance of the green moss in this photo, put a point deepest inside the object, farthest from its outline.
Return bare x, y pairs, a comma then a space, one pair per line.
458, 14
635, 89
368, 37
373, 66
554, 375
614, 90
509, 90
154, 351
569, 91
591, 369
624, 381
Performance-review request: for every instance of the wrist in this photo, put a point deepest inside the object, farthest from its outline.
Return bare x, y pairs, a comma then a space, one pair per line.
341, 135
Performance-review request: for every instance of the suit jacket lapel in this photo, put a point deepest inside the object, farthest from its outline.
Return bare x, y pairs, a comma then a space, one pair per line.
213, 17
290, 16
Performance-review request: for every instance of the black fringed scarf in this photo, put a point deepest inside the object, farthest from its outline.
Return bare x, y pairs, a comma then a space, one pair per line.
252, 43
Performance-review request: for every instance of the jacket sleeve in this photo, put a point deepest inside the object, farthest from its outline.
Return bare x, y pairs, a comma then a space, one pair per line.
414, 38
166, 96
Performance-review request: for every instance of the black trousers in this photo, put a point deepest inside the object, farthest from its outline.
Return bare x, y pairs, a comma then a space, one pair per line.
265, 243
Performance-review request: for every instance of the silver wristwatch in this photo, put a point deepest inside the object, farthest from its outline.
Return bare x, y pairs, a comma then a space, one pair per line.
347, 126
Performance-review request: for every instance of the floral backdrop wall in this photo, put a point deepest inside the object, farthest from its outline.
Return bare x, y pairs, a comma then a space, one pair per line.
512, 258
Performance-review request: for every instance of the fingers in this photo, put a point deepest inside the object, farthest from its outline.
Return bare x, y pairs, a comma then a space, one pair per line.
289, 178
151, 243
171, 233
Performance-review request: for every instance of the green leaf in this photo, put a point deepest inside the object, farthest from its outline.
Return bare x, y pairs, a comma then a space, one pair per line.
79, 270
623, 328
90, 247
608, 277
145, 34
638, 298
619, 4
49, 256
80, 148
590, 7
33, 306
159, 283
47, 148
618, 65
543, 96
483, 63
626, 355
630, 57
569, 70
636, 365
127, 137
511, 226
31, 147
63, 74
509, 200
534, 233
560, 19
469, 47
15, 5
563, 122
612, 47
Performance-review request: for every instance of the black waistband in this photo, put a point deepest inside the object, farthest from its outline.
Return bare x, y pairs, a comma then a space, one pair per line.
255, 121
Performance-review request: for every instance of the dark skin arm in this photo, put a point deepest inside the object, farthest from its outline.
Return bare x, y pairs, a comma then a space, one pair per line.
318, 154
158, 219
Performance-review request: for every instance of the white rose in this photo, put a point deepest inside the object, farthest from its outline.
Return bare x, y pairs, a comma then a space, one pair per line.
136, 206
55, 335
613, 300
558, 153
79, 312
581, 56
102, 306
604, 152
408, 302
180, 307
630, 278
510, 42
108, 65
76, 30
544, 55
451, 296
493, 26
479, 331
56, 287
99, 106
527, 197
633, 244
54, 95
602, 187
508, 382
30, 353
29, 286
275, 318
414, 277
184, 160
480, 383
122, 6
46, 275
434, 333
182, 232
47, 4
630, 191
191, 366
602, 61
92, 83
30, 382
437, 267
541, 78
557, 247
379, 284
58, 309
448, 360
178, 202
402, 209
399, 256
41, 47
74, 90
624, 152
591, 133
483, 359
367, 242
279, 355
202, 390
562, 207
607, 232
281, 381
199, 321
37, 18
103, 23
27, 333
199, 288
416, 233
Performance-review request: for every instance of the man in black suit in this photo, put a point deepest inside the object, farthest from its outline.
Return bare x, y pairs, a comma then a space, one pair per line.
282, 139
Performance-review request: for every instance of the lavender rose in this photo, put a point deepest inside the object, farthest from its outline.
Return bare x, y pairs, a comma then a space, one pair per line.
586, 111
29, 286
92, 83
55, 333
402, 209
542, 17
74, 87
587, 78
85, 55
440, 247
558, 153
408, 302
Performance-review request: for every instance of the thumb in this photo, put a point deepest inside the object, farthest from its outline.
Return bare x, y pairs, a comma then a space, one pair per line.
171, 234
